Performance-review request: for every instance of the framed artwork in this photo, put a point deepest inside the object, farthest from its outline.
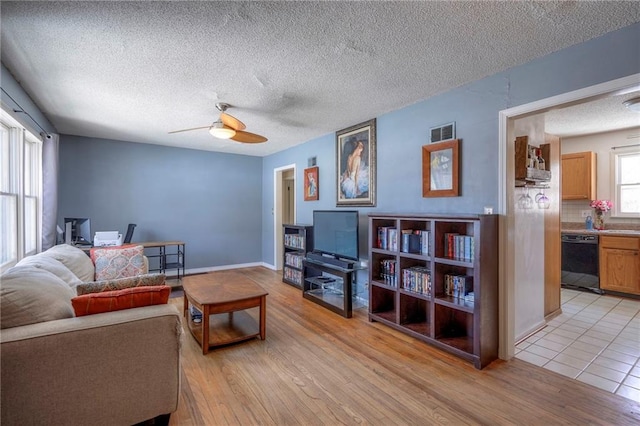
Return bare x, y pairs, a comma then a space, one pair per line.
440, 169
311, 188
356, 165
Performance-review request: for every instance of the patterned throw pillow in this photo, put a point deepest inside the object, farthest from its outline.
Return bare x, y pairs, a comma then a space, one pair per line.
118, 262
120, 283
109, 301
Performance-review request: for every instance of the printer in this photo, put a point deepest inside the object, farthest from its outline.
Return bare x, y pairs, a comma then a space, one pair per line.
107, 239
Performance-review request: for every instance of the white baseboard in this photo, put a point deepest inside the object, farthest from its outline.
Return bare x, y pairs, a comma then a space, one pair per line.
192, 271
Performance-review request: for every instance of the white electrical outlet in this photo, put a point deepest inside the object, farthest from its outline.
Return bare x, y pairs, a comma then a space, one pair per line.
586, 213
488, 210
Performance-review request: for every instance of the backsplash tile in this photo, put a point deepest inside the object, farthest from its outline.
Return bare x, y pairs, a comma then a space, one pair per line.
572, 212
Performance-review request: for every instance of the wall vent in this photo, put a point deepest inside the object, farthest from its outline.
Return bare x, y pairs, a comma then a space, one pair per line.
443, 133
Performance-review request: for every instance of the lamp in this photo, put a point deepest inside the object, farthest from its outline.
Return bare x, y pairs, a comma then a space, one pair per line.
220, 131
633, 104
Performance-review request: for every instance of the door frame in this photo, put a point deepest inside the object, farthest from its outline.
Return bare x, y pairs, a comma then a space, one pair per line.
278, 179
507, 238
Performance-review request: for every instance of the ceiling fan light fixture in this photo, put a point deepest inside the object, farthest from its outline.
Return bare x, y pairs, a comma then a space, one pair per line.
633, 104
220, 131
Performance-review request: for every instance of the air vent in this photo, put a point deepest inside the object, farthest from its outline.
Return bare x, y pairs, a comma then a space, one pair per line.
443, 133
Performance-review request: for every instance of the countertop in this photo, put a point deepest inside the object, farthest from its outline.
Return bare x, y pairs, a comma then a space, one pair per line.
631, 230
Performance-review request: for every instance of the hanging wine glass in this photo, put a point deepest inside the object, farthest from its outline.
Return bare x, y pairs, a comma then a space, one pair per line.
525, 201
542, 200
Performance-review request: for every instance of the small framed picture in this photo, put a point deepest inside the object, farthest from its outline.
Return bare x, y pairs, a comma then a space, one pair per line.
311, 188
440, 169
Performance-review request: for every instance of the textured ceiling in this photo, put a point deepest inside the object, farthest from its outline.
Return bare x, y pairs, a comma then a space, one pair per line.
292, 70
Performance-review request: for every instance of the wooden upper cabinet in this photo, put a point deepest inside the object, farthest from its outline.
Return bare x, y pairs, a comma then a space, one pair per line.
579, 176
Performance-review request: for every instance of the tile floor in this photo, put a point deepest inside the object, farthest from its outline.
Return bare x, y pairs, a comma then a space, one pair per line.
596, 340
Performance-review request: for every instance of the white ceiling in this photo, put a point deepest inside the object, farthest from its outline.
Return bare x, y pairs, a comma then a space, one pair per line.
293, 71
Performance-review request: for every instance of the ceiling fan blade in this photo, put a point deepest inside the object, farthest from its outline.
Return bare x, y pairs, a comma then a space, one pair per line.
232, 122
248, 137
188, 130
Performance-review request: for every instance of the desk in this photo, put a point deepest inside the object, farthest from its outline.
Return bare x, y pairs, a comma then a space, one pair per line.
166, 259
172, 259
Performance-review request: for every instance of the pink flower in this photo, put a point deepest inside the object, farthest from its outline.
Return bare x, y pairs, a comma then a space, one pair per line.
601, 205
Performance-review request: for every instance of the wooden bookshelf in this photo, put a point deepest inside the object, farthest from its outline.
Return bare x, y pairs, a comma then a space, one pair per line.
297, 240
413, 286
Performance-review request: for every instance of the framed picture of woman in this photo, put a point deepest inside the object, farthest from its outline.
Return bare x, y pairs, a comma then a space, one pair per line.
311, 190
356, 165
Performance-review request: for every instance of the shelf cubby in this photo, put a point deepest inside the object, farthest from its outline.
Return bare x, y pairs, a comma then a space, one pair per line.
384, 303
414, 314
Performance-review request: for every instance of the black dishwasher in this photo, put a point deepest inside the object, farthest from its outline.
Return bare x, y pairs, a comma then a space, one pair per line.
580, 263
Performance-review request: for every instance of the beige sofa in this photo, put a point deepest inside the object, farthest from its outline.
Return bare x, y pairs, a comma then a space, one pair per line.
115, 368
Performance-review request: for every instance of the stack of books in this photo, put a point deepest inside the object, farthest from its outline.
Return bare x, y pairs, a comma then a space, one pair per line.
458, 246
388, 272
417, 279
415, 241
459, 286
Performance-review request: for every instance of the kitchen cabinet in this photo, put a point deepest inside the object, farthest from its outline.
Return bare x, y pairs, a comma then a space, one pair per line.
620, 264
579, 176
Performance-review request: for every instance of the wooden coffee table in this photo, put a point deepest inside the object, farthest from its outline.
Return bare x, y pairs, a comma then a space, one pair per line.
226, 292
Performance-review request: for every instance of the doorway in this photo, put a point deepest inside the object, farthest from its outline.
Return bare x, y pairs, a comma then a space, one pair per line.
510, 253
284, 207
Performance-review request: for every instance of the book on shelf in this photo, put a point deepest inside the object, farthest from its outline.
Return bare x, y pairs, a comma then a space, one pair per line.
458, 286
294, 259
294, 240
458, 246
388, 238
388, 272
414, 241
293, 275
424, 242
417, 279
393, 239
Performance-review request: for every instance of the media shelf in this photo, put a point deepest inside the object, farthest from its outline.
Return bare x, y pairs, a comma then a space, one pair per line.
298, 241
329, 286
440, 284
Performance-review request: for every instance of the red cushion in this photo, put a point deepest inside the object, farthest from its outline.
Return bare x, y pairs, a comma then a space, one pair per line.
117, 300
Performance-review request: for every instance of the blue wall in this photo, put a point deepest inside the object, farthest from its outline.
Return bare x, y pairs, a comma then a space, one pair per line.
474, 107
209, 200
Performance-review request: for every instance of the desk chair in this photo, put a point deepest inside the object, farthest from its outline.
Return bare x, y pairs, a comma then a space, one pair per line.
129, 235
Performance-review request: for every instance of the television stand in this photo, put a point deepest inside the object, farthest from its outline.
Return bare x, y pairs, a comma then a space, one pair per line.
329, 285
341, 263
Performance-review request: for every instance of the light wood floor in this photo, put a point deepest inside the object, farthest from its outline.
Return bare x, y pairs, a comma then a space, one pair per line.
316, 367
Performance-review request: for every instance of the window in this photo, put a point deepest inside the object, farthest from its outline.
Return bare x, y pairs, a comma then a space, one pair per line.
626, 180
20, 192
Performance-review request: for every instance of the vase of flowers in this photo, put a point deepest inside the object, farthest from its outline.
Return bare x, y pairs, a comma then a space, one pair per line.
601, 207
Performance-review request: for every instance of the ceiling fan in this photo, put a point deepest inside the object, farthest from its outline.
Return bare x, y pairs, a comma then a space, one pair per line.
228, 127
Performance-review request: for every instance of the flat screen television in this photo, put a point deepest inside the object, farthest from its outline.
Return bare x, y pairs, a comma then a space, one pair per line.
335, 233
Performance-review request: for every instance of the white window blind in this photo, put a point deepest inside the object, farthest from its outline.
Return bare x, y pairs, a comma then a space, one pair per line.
20, 192
626, 182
